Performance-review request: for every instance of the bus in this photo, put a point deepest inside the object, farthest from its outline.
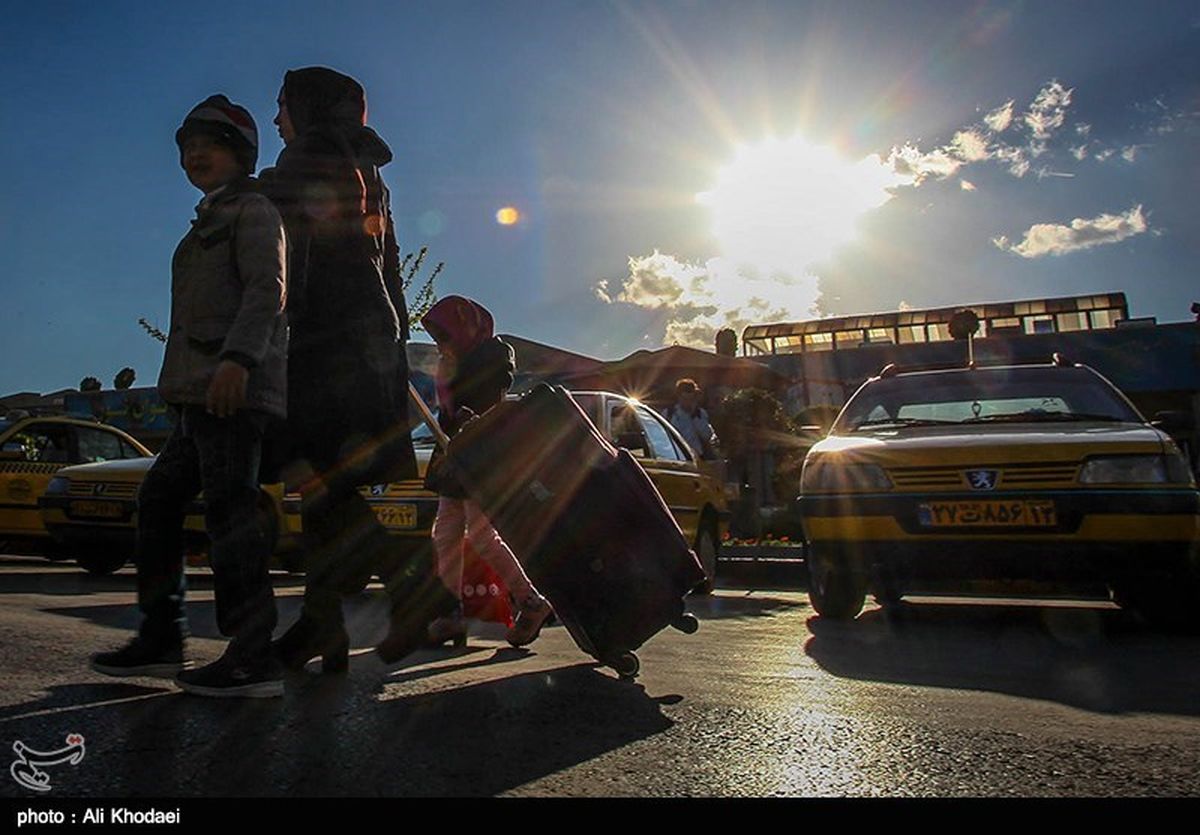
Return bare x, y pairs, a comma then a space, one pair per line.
910, 327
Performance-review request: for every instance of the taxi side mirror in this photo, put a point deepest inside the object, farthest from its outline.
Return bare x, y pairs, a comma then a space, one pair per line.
1171, 422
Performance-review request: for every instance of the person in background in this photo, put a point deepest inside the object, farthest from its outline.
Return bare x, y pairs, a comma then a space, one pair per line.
687, 416
224, 374
347, 366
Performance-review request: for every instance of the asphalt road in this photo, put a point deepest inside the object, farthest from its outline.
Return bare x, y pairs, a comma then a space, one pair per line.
974, 698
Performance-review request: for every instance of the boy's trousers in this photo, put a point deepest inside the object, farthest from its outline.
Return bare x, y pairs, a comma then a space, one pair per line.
221, 457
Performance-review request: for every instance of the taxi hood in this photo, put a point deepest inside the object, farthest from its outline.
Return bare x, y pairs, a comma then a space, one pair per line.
992, 444
127, 469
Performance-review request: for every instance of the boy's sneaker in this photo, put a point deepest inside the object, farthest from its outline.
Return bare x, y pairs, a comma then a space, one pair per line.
142, 658
231, 676
531, 617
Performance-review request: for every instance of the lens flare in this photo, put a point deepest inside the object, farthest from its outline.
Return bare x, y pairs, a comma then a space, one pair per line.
508, 216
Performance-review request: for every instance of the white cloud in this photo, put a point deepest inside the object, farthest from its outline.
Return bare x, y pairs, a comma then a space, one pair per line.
1083, 129
970, 145
1000, 118
1080, 152
966, 185
1018, 164
1129, 153
1043, 239
1048, 112
696, 300
909, 161
655, 281
1104, 154
1044, 173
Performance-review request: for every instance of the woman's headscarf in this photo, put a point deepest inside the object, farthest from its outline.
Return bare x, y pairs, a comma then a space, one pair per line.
459, 324
317, 96
324, 101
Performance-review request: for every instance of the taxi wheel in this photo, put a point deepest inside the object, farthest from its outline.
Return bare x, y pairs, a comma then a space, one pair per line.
706, 550
100, 562
835, 591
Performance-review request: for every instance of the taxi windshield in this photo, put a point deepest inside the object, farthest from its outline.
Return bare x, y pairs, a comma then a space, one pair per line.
1000, 395
422, 435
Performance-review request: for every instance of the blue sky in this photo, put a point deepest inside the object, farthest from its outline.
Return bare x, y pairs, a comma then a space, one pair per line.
917, 153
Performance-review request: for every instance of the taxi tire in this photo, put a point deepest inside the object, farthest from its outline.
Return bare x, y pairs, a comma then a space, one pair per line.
102, 562
835, 590
706, 551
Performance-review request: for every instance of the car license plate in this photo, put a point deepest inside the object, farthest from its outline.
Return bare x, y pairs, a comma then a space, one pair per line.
96, 510
402, 516
990, 514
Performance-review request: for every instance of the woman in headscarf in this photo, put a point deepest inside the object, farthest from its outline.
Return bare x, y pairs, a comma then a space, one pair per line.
347, 367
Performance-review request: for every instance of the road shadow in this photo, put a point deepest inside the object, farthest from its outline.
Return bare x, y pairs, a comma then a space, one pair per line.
366, 614
475, 659
738, 603
340, 736
1097, 659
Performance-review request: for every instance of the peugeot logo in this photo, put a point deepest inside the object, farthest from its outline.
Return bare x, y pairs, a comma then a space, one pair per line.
99, 489
982, 479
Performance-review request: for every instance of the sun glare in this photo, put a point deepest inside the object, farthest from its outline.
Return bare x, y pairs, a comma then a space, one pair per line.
508, 216
785, 204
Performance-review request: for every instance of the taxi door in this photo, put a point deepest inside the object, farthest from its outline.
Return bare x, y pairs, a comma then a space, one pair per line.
29, 458
635, 428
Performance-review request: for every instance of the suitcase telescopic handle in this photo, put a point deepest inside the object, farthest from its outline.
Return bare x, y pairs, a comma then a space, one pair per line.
427, 415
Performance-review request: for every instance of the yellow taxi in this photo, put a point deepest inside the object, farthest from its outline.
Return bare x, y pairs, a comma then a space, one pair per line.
34, 449
695, 496
929, 479
91, 511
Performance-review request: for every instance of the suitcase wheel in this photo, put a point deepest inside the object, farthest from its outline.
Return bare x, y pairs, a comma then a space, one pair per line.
626, 664
686, 623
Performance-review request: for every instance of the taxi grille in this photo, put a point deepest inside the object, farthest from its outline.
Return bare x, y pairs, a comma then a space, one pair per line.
1011, 476
108, 489
1036, 476
918, 477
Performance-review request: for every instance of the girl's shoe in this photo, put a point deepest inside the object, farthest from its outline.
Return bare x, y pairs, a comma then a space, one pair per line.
308, 639
531, 617
452, 628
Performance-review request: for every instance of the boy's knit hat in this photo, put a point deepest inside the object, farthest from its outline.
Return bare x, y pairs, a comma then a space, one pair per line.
226, 122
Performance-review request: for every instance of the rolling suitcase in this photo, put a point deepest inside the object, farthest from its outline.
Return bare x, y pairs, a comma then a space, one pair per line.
583, 518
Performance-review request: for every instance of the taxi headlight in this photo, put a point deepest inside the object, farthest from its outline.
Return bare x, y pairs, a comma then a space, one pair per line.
1135, 469
58, 486
825, 476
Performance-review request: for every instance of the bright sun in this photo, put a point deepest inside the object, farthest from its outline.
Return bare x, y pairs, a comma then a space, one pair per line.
785, 204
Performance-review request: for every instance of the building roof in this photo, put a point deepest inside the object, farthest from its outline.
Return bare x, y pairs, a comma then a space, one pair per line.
536, 359
648, 372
